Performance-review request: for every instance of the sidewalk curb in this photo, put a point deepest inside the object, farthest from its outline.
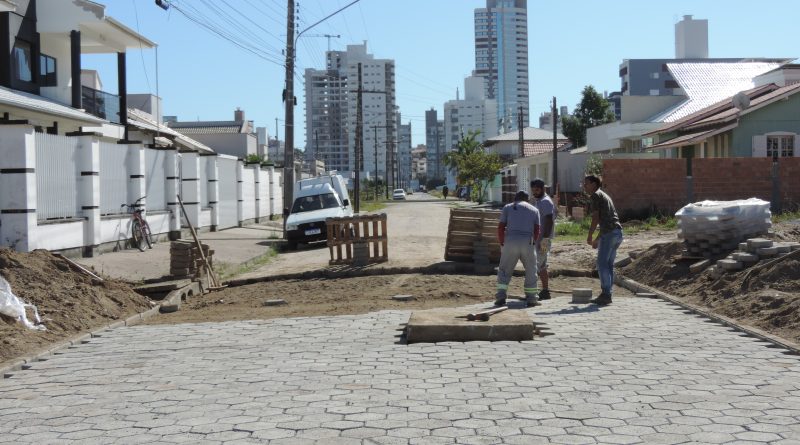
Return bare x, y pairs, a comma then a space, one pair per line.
777, 342
448, 268
25, 363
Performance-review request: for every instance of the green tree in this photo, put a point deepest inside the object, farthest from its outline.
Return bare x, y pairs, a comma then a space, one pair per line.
593, 110
472, 165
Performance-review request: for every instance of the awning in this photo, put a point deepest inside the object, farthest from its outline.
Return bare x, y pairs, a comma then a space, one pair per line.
691, 138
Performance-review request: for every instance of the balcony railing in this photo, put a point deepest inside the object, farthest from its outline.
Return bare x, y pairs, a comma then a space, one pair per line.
100, 104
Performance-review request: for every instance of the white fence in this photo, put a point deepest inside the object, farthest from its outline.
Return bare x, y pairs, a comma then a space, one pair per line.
65, 192
56, 177
228, 201
155, 166
114, 177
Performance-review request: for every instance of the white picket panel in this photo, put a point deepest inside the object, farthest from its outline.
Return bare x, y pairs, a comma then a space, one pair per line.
227, 205
56, 177
202, 179
248, 193
155, 178
113, 177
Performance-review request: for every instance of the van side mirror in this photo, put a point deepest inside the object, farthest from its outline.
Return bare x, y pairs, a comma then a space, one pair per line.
346, 202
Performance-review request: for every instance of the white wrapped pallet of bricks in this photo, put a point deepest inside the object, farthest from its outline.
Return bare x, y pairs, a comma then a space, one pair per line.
711, 228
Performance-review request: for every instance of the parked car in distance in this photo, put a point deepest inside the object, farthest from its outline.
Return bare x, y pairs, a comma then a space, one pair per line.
398, 194
409, 192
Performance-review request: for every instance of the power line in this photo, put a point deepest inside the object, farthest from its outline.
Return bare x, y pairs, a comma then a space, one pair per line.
141, 49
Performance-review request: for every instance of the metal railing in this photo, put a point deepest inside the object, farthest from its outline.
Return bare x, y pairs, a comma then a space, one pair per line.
100, 104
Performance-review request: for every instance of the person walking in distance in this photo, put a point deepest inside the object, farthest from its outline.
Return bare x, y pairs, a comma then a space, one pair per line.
604, 216
547, 214
517, 232
445, 191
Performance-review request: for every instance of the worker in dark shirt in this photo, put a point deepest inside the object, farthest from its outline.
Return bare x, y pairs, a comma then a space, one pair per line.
604, 216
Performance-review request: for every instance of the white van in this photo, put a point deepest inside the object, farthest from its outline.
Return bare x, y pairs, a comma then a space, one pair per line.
315, 200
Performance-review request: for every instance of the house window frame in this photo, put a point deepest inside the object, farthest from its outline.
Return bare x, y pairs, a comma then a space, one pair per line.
781, 145
48, 78
16, 67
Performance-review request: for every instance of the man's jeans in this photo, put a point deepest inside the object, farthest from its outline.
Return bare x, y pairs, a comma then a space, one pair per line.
606, 253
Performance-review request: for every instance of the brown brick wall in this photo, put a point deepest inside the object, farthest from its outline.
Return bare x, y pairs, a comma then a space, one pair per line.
637, 185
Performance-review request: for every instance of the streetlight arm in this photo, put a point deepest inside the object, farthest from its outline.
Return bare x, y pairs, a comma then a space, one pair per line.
326, 18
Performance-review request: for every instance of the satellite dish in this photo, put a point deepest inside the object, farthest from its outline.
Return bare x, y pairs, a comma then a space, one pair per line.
741, 101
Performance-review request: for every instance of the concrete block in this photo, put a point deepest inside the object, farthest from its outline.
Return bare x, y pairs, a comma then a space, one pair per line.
450, 324
581, 295
742, 247
782, 247
755, 243
730, 265
766, 252
402, 297
699, 266
622, 262
277, 302
646, 295
793, 246
747, 258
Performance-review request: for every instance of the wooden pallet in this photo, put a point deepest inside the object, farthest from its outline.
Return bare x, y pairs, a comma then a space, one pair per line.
468, 226
347, 236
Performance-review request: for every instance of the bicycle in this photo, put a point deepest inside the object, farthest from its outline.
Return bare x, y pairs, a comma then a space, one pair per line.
140, 230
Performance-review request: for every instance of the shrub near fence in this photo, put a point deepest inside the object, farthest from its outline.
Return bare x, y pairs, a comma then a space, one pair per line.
640, 187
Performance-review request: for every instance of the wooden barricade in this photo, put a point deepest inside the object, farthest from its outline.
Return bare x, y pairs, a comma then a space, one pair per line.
358, 240
468, 227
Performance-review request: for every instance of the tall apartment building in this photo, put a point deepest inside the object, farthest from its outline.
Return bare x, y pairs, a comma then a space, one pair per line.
473, 113
434, 141
546, 119
403, 152
331, 111
501, 57
691, 38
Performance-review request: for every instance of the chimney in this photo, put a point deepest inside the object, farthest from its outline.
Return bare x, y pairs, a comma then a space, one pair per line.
238, 115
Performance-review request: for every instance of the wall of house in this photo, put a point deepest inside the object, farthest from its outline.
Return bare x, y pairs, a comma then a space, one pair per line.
780, 116
58, 47
639, 185
234, 144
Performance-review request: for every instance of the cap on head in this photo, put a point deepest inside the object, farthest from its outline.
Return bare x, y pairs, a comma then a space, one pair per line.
521, 195
537, 183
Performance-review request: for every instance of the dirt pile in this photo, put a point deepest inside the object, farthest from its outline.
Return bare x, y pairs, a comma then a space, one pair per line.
69, 303
766, 297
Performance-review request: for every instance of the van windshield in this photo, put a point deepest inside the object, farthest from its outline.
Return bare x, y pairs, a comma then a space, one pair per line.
315, 202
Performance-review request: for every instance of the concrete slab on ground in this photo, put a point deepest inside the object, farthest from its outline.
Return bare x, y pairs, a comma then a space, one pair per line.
451, 324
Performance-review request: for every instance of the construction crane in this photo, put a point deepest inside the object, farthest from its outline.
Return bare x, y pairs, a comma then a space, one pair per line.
327, 36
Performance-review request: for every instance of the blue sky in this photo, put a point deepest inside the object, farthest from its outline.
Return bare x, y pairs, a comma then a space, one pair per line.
201, 76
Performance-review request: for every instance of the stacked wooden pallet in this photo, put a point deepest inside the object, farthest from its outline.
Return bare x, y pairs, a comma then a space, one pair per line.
469, 228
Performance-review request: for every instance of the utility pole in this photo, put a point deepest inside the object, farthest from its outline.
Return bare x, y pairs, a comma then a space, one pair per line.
520, 120
359, 152
375, 144
288, 99
554, 120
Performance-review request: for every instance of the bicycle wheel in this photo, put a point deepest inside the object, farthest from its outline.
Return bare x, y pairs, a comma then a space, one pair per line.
137, 235
148, 236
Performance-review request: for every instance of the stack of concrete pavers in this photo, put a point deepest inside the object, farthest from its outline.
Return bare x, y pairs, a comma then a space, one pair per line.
185, 260
751, 252
712, 229
581, 296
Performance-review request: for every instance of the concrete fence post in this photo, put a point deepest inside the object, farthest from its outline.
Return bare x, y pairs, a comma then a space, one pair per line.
18, 186
271, 179
89, 191
137, 186
239, 192
190, 187
257, 173
172, 186
212, 173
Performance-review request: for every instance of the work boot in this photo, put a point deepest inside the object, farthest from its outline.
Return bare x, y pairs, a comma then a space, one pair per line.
531, 301
602, 300
500, 301
544, 294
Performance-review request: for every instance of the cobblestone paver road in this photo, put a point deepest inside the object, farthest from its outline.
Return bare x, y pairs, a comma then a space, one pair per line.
640, 371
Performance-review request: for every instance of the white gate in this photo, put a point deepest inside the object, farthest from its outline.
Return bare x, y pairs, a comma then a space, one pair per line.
56, 177
227, 205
